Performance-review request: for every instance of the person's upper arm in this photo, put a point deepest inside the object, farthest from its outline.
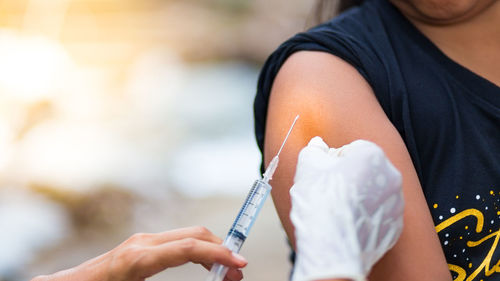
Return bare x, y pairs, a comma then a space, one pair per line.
336, 103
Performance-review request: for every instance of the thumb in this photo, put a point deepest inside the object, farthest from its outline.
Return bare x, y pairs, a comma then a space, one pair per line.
312, 159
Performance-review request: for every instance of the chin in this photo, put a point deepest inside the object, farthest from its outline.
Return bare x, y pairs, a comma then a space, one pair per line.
442, 11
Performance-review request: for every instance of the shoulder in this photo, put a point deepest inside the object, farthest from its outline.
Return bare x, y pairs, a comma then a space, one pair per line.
318, 79
357, 36
357, 39
327, 91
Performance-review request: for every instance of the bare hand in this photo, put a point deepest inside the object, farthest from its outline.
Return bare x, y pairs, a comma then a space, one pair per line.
145, 254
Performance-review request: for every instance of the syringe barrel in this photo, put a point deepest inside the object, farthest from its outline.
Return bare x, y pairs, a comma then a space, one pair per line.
219, 271
250, 209
242, 224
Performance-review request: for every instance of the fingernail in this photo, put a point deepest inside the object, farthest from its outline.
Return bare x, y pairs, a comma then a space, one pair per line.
240, 257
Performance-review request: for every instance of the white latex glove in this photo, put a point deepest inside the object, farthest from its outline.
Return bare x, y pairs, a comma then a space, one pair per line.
347, 209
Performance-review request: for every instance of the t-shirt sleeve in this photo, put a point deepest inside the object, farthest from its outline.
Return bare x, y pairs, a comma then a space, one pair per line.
324, 38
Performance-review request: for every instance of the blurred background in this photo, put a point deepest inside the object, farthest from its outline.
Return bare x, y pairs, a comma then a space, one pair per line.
124, 116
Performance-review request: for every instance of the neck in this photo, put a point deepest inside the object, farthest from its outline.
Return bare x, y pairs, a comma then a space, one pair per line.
479, 30
473, 42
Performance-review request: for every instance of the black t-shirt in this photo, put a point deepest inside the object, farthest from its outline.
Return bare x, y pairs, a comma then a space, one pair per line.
448, 117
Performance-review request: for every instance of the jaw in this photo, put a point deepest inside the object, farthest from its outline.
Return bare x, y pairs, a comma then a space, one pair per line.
442, 12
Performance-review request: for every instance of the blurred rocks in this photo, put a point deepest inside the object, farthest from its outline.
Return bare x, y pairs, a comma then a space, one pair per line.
103, 209
114, 31
29, 223
198, 30
110, 99
250, 35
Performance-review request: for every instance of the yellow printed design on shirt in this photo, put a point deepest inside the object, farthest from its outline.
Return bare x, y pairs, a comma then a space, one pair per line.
470, 233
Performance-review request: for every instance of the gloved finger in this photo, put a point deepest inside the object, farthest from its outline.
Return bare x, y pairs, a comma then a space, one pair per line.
361, 149
318, 143
316, 148
367, 162
313, 159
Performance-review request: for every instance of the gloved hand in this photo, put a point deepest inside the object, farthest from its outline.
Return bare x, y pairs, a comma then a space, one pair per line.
347, 209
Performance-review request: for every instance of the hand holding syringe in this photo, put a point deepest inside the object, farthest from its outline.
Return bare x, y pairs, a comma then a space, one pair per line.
248, 212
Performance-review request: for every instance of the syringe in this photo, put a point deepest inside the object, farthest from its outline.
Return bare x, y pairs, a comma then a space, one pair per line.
248, 213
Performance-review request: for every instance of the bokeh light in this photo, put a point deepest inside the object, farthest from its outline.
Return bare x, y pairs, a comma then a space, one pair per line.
124, 116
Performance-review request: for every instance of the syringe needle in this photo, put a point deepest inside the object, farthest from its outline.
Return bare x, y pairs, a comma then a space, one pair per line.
268, 174
288, 134
248, 213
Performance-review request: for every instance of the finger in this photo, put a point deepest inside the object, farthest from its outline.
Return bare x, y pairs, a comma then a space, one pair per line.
361, 148
318, 143
316, 148
207, 266
313, 159
196, 232
234, 274
198, 251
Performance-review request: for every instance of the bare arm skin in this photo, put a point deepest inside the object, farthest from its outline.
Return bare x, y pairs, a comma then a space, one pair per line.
145, 254
335, 102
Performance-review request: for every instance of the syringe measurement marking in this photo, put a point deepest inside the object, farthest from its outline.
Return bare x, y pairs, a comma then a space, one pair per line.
247, 217
249, 210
